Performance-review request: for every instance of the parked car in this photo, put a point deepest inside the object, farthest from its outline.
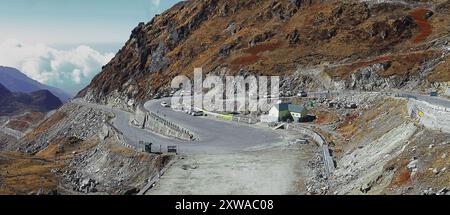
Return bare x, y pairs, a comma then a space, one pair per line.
197, 113
269, 96
302, 94
351, 106
165, 104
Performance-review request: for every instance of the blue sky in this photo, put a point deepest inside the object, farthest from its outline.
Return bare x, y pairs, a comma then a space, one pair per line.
75, 21
64, 43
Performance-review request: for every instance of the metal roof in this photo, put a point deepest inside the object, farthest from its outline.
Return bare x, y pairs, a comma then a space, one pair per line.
289, 107
282, 106
295, 108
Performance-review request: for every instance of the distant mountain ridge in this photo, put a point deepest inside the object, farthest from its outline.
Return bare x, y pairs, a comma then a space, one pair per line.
12, 103
4, 92
16, 81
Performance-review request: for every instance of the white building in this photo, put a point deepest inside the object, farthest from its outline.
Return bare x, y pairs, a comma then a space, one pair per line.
285, 112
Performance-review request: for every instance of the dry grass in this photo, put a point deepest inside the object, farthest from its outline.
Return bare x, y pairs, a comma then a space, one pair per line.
18, 125
353, 40
442, 72
428, 159
47, 124
26, 121
402, 176
325, 117
24, 174
400, 64
349, 127
355, 127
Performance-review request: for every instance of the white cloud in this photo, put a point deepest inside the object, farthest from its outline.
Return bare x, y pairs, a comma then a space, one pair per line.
156, 2
65, 69
76, 76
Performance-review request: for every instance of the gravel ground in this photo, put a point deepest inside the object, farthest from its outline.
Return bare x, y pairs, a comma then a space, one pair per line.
278, 170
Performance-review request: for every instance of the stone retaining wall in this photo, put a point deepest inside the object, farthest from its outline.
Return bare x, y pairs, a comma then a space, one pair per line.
155, 123
246, 120
328, 160
431, 116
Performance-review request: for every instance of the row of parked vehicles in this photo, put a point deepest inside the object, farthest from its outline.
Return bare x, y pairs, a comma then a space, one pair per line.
189, 112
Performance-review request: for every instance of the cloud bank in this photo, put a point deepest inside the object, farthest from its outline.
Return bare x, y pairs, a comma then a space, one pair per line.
69, 70
156, 2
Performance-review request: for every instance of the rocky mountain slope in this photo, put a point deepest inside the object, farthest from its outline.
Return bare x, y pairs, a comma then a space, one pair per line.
366, 45
75, 151
362, 45
17, 103
16, 81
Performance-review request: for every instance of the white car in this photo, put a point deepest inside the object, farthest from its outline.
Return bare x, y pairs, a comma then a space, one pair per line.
165, 104
197, 113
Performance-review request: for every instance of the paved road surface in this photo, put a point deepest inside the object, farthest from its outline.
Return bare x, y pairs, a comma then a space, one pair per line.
426, 98
439, 101
215, 134
215, 137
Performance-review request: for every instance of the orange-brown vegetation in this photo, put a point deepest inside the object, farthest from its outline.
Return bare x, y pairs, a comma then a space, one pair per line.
424, 27
25, 121
399, 64
325, 117
429, 159
402, 176
23, 173
47, 124
269, 38
355, 126
442, 72
349, 125
18, 125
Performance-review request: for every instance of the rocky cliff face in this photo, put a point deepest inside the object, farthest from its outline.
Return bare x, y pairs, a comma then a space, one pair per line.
365, 45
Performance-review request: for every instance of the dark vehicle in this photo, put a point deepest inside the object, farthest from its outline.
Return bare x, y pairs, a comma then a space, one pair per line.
302, 94
197, 113
172, 149
165, 104
148, 147
434, 94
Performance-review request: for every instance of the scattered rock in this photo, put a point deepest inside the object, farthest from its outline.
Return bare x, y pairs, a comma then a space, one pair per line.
293, 37
428, 14
298, 141
412, 165
186, 167
366, 187
435, 171
442, 191
428, 192
319, 181
131, 191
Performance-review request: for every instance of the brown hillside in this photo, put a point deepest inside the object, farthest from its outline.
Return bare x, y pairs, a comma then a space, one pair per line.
272, 37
